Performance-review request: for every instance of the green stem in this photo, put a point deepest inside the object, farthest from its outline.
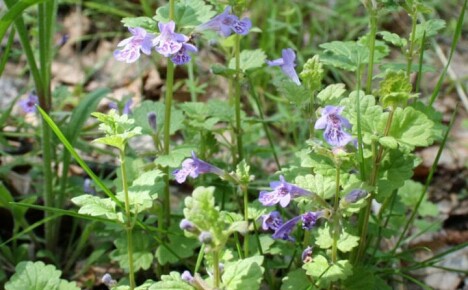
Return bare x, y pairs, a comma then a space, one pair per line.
167, 125
373, 32
265, 126
373, 180
128, 222
193, 93
246, 218
216, 269
201, 253
336, 216
237, 100
409, 55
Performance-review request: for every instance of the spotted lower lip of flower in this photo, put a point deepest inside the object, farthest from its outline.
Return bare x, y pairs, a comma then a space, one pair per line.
287, 64
307, 255
271, 221
29, 105
193, 167
334, 125
168, 42
310, 218
183, 56
140, 41
282, 193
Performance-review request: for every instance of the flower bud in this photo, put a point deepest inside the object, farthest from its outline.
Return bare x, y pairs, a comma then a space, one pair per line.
152, 121
355, 195
187, 225
187, 277
108, 281
205, 238
307, 255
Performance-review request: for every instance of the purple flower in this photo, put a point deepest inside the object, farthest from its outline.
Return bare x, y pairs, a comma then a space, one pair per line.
308, 221
355, 195
283, 193
334, 125
307, 255
29, 105
126, 110
108, 281
168, 42
287, 64
284, 231
205, 238
271, 221
152, 121
194, 167
187, 277
88, 187
226, 23
187, 225
141, 40
183, 56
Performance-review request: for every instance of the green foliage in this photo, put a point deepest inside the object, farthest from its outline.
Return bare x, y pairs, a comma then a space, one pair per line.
185, 247
96, 206
142, 192
431, 27
325, 273
323, 186
331, 95
173, 281
347, 55
243, 274
411, 128
141, 117
243, 172
174, 158
187, 14
142, 256
410, 193
249, 59
393, 38
118, 129
297, 95
296, 280
395, 89
396, 168
312, 73
142, 21
38, 276
346, 242
364, 278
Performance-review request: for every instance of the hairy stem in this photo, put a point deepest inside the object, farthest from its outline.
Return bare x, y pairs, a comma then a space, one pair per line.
216, 273
336, 216
128, 222
237, 100
409, 55
373, 32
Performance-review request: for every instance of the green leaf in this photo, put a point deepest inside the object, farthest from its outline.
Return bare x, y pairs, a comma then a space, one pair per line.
431, 27
331, 95
175, 157
345, 55
395, 89
394, 66
243, 172
328, 273
249, 59
411, 128
373, 118
13, 12
188, 13
118, 129
393, 38
185, 247
38, 276
142, 192
364, 278
144, 22
346, 241
395, 169
324, 186
173, 281
312, 73
296, 280
96, 206
82, 112
243, 274
141, 117
389, 142
142, 256
410, 193
297, 95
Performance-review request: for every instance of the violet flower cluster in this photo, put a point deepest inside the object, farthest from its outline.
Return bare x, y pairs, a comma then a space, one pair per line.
287, 64
334, 125
226, 23
193, 167
282, 193
168, 43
